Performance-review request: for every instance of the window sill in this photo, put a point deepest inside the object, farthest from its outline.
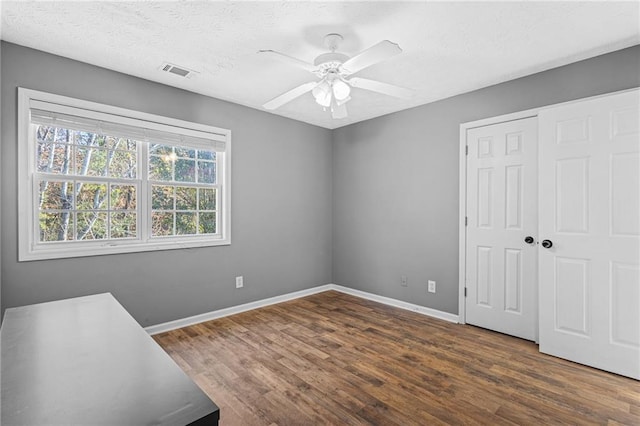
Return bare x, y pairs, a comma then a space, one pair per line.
85, 249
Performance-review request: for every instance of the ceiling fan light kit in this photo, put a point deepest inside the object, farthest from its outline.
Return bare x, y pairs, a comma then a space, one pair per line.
334, 69
341, 90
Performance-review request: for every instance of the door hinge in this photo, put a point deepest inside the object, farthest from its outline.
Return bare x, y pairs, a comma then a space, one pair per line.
466, 150
466, 221
465, 292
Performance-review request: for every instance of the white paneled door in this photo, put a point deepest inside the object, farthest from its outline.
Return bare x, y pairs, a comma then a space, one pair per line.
501, 254
589, 267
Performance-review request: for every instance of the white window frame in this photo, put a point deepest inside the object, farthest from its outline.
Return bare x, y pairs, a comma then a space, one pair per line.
29, 247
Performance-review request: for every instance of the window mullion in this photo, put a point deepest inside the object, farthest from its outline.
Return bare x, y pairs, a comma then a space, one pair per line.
219, 201
35, 211
92, 179
144, 208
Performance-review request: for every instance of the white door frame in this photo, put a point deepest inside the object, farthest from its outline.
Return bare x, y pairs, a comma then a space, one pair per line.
462, 245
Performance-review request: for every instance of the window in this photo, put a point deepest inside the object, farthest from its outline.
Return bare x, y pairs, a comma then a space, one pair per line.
97, 179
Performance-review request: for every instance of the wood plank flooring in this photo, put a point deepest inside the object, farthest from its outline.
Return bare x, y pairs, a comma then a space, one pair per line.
336, 359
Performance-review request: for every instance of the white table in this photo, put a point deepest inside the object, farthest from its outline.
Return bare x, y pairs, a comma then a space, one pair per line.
86, 361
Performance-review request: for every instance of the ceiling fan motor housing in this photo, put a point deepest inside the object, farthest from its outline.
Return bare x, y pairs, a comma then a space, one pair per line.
331, 58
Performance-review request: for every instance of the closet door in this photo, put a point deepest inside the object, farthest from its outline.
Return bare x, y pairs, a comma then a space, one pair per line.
501, 255
589, 273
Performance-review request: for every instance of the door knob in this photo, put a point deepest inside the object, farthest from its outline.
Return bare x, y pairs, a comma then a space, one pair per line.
529, 239
547, 243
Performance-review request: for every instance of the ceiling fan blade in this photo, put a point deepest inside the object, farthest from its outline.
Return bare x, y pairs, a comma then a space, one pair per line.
377, 53
380, 87
290, 60
278, 101
338, 110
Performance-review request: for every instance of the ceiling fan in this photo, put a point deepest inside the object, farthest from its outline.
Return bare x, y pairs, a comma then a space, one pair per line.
334, 70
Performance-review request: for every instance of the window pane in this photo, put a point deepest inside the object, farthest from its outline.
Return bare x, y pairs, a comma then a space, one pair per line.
160, 149
207, 155
53, 134
91, 162
91, 196
56, 195
87, 139
123, 197
206, 172
123, 164
162, 197
44, 157
123, 225
62, 135
45, 133
128, 144
160, 169
121, 143
207, 223
207, 199
92, 226
185, 170
161, 224
99, 140
106, 141
54, 158
185, 198
185, 152
82, 158
186, 223
56, 226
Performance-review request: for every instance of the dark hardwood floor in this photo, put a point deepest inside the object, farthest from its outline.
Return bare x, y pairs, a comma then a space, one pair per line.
336, 359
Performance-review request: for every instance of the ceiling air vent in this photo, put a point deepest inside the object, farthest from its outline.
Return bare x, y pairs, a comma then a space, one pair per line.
174, 69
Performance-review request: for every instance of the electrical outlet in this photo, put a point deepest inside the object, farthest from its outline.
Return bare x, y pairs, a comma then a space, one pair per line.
239, 282
431, 286
404, 282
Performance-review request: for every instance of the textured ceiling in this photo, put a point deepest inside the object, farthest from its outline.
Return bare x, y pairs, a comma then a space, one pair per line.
448, 47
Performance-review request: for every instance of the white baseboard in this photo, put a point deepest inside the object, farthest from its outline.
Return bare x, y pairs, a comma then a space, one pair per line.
446, 316
207, 316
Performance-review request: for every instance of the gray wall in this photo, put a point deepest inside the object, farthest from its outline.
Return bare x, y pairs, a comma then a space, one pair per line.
281, 203
396, 179
378, 203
